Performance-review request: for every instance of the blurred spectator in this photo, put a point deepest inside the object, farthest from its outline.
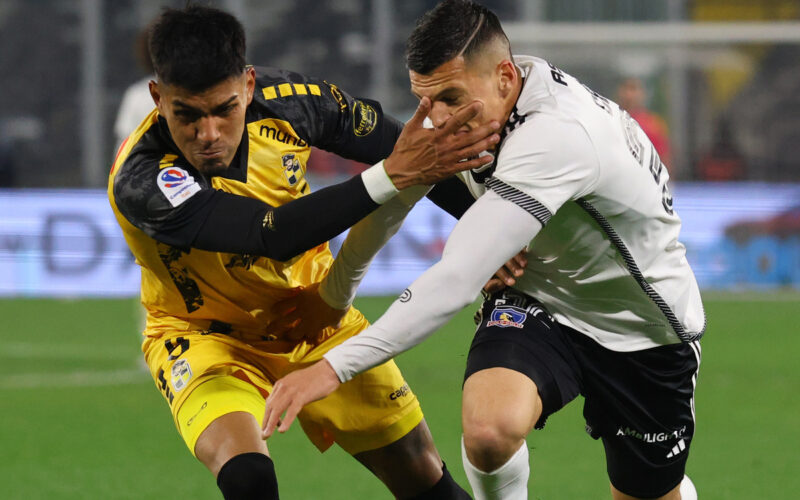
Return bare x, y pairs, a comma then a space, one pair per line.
136, 101
632, 97
724, 162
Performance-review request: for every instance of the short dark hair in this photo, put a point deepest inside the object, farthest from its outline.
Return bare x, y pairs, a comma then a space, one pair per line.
452, 28
197, 47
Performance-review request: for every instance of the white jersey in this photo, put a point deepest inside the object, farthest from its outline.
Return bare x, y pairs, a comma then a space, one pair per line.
576, 180
608, 262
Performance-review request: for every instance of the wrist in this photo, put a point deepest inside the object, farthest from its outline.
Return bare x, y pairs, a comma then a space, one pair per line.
378, 183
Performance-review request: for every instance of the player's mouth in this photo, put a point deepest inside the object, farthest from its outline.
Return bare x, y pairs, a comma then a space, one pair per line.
211, 154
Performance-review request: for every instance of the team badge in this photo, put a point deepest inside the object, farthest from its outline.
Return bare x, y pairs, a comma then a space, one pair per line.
364, 118
181, 374
291, 168
177, 185
507, 316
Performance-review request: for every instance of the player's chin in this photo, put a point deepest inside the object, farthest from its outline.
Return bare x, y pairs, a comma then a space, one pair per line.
211, 167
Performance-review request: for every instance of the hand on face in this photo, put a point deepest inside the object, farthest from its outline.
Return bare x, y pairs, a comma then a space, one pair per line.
427, 156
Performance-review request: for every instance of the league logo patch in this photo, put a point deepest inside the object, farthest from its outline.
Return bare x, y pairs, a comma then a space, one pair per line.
181, 374
291, 168
507, 316
177, 185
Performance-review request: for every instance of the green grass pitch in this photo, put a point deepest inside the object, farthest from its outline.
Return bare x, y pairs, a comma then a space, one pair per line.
81, 419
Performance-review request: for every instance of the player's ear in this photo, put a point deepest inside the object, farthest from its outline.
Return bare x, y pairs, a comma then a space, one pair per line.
250, 82
155, 93
506, 77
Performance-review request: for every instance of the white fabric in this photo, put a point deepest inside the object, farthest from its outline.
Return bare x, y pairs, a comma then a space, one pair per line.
607, 263
135, 105
687, 489
571, 154
363, 242
379, 185
507, 482
478, 243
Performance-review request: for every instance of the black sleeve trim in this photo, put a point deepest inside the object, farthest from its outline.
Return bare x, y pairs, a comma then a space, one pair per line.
452, 196
244, 225
526, 202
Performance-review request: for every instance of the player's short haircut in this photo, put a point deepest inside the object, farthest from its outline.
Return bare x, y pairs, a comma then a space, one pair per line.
197, 47
452, 28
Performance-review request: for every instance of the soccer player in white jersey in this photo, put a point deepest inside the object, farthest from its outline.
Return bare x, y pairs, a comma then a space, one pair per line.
608, 306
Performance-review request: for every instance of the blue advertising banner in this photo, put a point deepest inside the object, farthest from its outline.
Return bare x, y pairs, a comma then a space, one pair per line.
66, 243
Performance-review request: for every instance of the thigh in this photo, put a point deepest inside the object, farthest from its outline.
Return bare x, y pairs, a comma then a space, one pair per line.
517, 334
641, 404
204, 377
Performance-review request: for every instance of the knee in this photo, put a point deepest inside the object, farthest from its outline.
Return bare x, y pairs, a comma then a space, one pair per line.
490, 444
248, 476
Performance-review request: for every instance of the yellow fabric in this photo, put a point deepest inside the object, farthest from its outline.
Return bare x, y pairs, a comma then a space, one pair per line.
205, 376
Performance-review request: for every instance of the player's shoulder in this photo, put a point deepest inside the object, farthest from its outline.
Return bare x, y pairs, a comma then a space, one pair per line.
153, 177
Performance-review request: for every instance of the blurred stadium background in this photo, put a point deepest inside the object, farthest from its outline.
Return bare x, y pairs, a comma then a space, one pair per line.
715, 82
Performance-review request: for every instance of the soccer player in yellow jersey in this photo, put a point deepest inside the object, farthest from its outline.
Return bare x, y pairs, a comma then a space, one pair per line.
210, 193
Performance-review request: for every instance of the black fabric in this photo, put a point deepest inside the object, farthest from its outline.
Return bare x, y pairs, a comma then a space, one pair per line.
249, 476
452, 196
516, 332
243, 225
445, 489
640, 404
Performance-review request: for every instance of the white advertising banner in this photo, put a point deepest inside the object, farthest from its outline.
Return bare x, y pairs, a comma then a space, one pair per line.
66, 243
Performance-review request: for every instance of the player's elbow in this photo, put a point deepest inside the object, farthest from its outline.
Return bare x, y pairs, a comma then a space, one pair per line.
461, 289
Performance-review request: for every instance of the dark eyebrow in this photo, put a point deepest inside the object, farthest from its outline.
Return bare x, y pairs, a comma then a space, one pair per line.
442, 93
447, 92
217, 109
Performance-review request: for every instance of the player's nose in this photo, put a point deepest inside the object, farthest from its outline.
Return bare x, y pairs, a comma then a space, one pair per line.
439, 114
207, 129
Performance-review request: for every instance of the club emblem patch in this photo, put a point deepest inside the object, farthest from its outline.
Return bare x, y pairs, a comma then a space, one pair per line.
507, 316
291, 168
181, 374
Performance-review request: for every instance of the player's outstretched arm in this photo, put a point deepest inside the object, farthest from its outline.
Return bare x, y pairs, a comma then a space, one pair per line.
429, 155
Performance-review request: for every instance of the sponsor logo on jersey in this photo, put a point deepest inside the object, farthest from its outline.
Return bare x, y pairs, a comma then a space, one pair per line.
177, 185
181, 374
291, 168
364, 118
506, 317
401, 392
405, 296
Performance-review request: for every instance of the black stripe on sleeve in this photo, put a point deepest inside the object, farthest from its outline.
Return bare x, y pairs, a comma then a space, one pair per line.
524, 201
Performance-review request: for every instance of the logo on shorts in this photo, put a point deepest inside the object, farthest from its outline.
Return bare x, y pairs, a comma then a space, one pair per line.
506, 316
399, 393
181, 374
652, 437
677, 449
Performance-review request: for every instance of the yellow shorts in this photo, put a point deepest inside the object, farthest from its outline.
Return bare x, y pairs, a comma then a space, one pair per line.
204, 376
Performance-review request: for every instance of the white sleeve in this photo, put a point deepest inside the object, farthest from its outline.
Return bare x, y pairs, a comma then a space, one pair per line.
365, 239
491, 232
536, 162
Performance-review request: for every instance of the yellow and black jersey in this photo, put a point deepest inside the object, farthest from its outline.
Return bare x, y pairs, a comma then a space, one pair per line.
214, 254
